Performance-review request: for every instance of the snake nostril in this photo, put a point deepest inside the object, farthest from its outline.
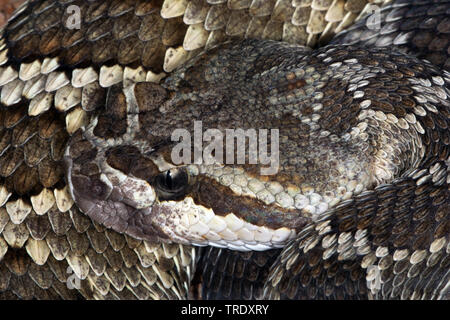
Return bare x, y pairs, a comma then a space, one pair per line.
97, 189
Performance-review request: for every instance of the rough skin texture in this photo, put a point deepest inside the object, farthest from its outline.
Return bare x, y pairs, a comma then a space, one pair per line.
364, 140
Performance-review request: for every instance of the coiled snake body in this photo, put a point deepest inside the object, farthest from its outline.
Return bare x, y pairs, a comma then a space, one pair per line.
93, 204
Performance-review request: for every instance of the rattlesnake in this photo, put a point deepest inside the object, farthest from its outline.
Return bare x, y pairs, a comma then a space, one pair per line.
358, 209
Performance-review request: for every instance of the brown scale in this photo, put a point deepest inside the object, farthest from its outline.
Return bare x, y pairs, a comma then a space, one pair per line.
121, 35
112, 123
129, 160
29, 280
39, 142
113, 258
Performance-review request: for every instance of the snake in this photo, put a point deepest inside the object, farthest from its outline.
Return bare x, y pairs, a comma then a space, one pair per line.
103, 195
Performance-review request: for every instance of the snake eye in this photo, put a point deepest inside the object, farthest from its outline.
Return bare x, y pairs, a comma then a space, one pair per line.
171, 183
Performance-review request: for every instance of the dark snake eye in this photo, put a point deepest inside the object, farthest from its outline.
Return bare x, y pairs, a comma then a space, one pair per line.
171, 183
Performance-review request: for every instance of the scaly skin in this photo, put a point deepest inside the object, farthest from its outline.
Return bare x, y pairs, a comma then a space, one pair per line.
350, 119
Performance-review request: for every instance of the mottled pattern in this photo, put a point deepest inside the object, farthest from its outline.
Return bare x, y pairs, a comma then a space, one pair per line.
388, 242
137, 33
277, 87
411, 26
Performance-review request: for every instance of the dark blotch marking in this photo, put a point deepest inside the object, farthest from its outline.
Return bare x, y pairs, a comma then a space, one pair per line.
296, 84
149, 96
113, 122
90, 188
209, 193
82, 150
129, 160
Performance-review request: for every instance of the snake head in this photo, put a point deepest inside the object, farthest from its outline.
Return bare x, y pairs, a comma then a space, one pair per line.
122, 171
135, 168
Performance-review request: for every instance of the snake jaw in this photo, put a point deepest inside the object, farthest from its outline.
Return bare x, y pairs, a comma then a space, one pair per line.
189, 223
130, 205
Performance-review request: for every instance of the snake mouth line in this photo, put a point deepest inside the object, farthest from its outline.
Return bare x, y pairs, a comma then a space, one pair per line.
198, 222
186, 222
